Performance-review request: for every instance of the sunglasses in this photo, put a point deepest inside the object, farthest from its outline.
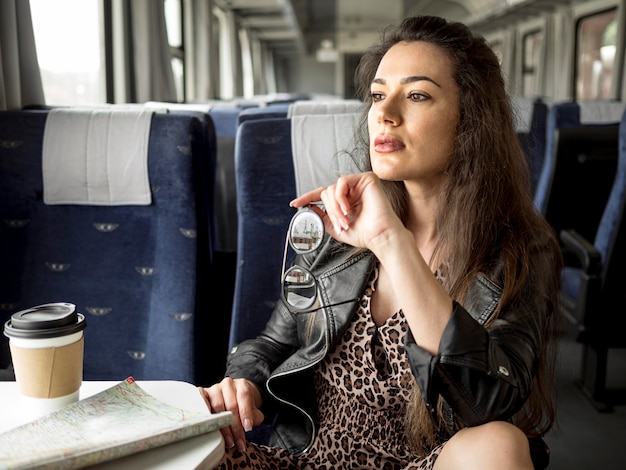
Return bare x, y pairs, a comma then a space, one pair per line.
299, 287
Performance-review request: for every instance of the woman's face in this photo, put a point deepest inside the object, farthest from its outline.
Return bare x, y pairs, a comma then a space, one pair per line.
414, 112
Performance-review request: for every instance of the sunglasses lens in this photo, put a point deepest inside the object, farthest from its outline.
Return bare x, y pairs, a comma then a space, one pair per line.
306, 231
299, 288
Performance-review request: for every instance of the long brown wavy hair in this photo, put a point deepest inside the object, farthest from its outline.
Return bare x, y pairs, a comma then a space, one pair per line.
487, 223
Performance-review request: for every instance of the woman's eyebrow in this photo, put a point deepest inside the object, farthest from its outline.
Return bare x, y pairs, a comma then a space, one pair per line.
410, 79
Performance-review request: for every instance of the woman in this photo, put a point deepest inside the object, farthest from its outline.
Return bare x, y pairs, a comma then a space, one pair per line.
445, 360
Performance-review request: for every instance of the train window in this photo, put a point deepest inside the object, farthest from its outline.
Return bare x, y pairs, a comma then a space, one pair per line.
174, 25
72, 69
531, 61
596, 40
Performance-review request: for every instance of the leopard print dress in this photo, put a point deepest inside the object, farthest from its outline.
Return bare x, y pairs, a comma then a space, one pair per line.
362, 387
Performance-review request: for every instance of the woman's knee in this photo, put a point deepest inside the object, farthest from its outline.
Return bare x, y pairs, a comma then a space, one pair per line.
497, 444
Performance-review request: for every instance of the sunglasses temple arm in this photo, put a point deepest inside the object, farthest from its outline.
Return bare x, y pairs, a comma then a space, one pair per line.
328, 241
284, 258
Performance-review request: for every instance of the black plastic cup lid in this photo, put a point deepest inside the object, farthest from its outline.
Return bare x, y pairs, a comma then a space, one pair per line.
45, 321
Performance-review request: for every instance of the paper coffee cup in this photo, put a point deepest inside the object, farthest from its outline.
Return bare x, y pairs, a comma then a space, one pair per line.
46, 345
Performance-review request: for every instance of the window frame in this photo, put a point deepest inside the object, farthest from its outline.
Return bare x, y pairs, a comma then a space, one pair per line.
588, 9
178, 53
523, 31
577, 59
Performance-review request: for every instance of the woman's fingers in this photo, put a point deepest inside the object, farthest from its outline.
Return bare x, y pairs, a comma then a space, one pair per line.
248, 411
216, 402
342, 195
356, 200
217, 406
333, 209
241, 398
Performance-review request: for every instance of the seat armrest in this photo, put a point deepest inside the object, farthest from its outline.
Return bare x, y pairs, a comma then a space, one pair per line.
588, 255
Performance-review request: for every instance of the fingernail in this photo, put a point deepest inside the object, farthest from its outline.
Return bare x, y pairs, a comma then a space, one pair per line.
241, 445
247, 424
229, 443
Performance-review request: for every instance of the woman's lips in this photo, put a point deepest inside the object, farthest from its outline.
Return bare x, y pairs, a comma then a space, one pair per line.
387, 143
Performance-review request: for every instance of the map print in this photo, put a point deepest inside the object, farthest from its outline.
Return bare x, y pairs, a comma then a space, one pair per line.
119, 421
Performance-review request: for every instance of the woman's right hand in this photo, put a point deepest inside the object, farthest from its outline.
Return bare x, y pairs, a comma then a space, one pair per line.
243, 399
356, 210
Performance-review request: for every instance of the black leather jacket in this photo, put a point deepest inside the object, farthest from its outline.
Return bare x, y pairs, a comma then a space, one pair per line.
483, 374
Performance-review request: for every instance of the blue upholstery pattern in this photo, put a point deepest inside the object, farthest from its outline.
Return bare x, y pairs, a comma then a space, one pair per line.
265, 186
138, 273
275, 111
593, 295
578, 170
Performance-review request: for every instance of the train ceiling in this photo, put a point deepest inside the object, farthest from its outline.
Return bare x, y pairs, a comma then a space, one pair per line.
295, 27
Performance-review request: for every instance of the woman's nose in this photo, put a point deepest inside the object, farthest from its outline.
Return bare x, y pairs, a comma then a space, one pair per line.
389, 112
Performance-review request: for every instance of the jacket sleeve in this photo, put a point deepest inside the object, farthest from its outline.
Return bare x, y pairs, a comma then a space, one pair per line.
256, 358
484, 374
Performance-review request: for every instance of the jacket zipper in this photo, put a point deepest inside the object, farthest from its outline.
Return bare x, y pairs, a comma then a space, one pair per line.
293, 405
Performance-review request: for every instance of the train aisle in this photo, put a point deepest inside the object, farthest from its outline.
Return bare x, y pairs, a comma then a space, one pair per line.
583, 438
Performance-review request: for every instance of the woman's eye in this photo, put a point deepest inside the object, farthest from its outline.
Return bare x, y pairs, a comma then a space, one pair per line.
417, 96
376, 96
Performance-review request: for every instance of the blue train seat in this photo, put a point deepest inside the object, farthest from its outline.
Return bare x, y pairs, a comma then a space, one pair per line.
265, 185
340, 106
592, 295
139, 273
277, 159
278, 110
579, 165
